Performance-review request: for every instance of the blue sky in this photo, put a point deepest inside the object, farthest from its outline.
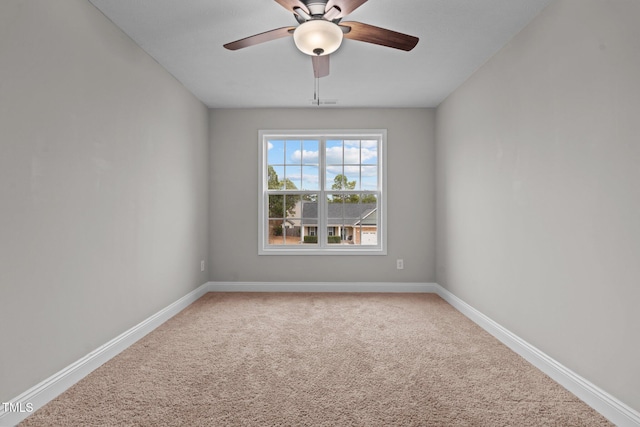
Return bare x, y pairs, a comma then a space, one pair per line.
297, 160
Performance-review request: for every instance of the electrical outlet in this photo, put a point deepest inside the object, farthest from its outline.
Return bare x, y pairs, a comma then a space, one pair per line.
202, 265
399, 264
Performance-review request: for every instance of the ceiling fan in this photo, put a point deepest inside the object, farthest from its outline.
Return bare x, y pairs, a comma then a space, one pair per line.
321, 31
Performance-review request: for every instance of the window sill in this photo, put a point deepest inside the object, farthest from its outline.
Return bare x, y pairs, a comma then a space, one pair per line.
332, 251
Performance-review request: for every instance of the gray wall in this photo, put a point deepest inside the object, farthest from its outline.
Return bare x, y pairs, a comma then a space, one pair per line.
539, 190
103, 187
410, 202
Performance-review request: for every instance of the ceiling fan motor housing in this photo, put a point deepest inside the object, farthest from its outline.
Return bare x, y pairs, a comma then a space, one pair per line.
316, 7
317, 10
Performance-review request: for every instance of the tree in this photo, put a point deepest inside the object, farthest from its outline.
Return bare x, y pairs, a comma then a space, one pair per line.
369, 198
272, 179
277, 203
341, 182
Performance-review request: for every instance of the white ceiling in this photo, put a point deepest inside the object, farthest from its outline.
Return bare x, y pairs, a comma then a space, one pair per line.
186, 37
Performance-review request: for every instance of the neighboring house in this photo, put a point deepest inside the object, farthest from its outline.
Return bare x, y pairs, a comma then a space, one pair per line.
355, 223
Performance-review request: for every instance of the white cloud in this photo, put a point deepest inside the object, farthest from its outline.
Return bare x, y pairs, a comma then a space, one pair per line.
369, 144
352, 155
269, 145
368, 154
353, 172
308, 156
310, 182
355, 153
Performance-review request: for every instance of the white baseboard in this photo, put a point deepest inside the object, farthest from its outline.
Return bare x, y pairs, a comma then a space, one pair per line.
42, 393
613, 409
37, 396
322, 287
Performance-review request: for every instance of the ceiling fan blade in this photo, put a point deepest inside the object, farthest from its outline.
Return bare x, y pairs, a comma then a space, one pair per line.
345, 6
320, 66
291, 5
260, 38
381, 36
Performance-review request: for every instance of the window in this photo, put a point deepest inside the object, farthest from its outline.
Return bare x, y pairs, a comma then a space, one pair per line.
322, 192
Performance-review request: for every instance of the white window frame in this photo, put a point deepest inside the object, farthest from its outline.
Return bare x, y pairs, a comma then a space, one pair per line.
322, 248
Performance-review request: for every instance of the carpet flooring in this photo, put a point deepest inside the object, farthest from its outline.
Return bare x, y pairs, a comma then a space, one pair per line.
258, 359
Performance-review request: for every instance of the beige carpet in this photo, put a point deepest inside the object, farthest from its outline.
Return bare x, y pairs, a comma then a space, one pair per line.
317, 360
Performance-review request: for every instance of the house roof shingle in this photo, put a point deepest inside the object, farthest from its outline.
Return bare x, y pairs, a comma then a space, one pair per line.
341, 213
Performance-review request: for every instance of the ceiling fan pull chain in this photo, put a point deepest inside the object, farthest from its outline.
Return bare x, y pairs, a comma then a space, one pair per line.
316, 91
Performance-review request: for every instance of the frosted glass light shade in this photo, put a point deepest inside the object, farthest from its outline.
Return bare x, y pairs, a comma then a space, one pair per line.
317, 37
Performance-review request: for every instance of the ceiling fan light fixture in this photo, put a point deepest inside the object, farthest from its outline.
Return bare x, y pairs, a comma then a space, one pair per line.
318, 37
